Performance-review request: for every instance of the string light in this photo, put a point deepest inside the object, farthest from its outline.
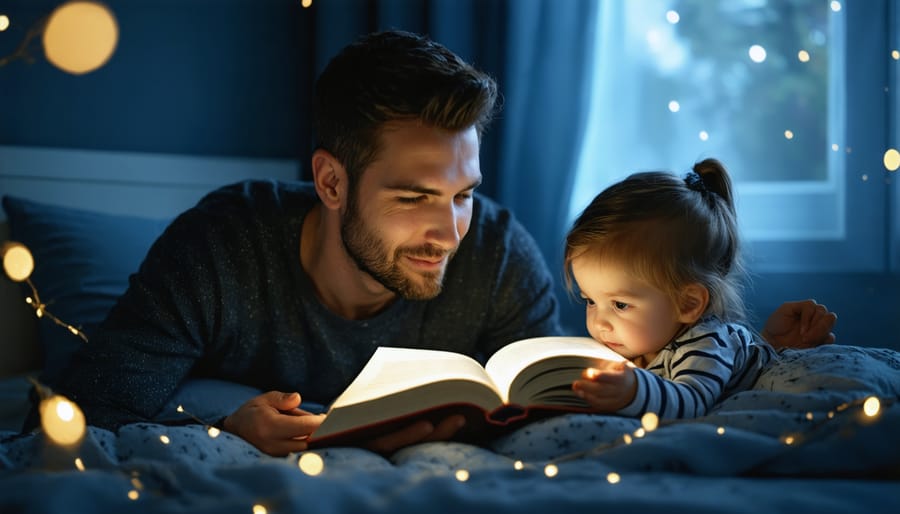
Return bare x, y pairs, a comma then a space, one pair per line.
613, 478
462, 475
211, 431
306, 3
551, 470
518, 465
311, 463
259, 509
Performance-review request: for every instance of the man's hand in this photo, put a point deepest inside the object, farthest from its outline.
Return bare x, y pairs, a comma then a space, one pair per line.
803, 324
274, 423
419, 432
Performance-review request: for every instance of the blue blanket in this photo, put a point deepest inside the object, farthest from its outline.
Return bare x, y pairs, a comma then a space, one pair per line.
800, 441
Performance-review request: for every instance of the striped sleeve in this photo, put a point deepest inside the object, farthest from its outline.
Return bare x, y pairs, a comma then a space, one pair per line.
688, 383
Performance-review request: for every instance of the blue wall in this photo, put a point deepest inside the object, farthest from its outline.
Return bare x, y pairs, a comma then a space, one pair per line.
203, 77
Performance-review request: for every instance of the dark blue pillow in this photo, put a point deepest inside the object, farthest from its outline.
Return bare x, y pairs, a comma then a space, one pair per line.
82, 261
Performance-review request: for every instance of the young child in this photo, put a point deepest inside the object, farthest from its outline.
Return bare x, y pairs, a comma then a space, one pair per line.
656, 259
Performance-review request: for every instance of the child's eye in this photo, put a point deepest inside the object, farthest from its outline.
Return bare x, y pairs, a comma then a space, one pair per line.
620, 306
587, 300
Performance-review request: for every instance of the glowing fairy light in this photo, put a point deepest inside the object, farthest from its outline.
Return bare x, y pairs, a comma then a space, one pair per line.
213, 432
835, 147
518, 465
462, 475
720, 430
836, 6
673, 17
311, 464
650, 421
4, 22
259, 509
704, 135
871, 406
788, 440
830, 414
803, 56
757, 53
551, 470
809, 416
306, 3
895, 54
136, 482
640, 432
674, 106
892, 159
591, 373
165, 439
865, 177
79, 464
133, 495
62, 420
627, 438
789, 134
613, 478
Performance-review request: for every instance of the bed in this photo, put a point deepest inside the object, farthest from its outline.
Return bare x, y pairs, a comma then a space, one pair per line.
818, 432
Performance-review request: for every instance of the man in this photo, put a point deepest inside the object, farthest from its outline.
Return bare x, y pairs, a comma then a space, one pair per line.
291, 287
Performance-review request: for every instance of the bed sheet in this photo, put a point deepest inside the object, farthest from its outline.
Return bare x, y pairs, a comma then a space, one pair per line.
800, 441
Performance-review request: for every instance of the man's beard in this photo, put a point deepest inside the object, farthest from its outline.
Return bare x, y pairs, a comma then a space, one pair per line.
370, 254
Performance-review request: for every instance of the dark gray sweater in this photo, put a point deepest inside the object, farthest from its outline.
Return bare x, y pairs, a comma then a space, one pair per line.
222, 294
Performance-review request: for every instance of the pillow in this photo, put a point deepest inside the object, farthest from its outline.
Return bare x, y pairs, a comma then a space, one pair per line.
82, 261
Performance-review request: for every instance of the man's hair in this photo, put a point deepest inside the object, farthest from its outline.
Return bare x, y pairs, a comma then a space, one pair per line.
390, 76
668, 232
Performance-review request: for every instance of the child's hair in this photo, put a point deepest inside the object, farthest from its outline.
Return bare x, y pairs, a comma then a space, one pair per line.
669, 232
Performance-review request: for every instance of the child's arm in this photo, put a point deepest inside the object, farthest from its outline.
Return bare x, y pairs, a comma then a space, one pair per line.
609, 387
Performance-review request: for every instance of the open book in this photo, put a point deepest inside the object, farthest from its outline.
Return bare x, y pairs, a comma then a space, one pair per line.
522, 381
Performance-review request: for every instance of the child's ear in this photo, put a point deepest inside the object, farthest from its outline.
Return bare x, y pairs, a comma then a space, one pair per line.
330, 179
692, 302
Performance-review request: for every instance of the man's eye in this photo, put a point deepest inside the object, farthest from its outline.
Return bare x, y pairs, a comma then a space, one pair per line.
410, 199
620, 306
463, 197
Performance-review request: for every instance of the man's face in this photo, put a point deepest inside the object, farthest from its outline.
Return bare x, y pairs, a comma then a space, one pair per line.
412, 207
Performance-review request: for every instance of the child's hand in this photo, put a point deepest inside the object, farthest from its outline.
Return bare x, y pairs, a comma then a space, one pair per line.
607, 388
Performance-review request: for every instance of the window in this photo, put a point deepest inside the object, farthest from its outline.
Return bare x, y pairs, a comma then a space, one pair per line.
791, 95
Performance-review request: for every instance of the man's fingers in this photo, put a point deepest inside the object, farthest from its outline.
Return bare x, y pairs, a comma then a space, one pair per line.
446, 428
405, 437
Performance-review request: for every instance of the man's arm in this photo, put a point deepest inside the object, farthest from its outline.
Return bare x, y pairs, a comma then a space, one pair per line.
800, 324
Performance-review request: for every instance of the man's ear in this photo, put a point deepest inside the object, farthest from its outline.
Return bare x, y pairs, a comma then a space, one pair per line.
330, 179
692, 302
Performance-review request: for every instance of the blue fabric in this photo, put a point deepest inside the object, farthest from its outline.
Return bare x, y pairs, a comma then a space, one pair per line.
82, 263
736, 459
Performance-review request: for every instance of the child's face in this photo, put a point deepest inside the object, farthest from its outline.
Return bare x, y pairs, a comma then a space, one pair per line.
630, 316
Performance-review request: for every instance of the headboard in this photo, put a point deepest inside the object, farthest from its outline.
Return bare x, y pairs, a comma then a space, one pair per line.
139, 185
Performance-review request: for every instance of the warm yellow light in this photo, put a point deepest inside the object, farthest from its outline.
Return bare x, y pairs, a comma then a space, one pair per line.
259, 509
892, 159
809, 416
311, 464
165, 439
518, 465
788, 440
4, 22
650, 421
62, 420
462, 475
79, 464
627, 439
803, 56
720, 430
592, 373
551, 470
17, 260
80, 36
133, 495
871, 406
789, 134
213, 432
613, 478
306, 3
895, 54
641, 432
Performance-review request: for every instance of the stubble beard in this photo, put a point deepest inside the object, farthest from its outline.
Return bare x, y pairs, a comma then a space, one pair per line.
363, 244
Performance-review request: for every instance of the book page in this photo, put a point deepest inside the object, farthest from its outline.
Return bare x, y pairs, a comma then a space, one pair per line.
507, 362
391, 370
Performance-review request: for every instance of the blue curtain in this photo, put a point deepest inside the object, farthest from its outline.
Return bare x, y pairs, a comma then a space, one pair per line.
540, 52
